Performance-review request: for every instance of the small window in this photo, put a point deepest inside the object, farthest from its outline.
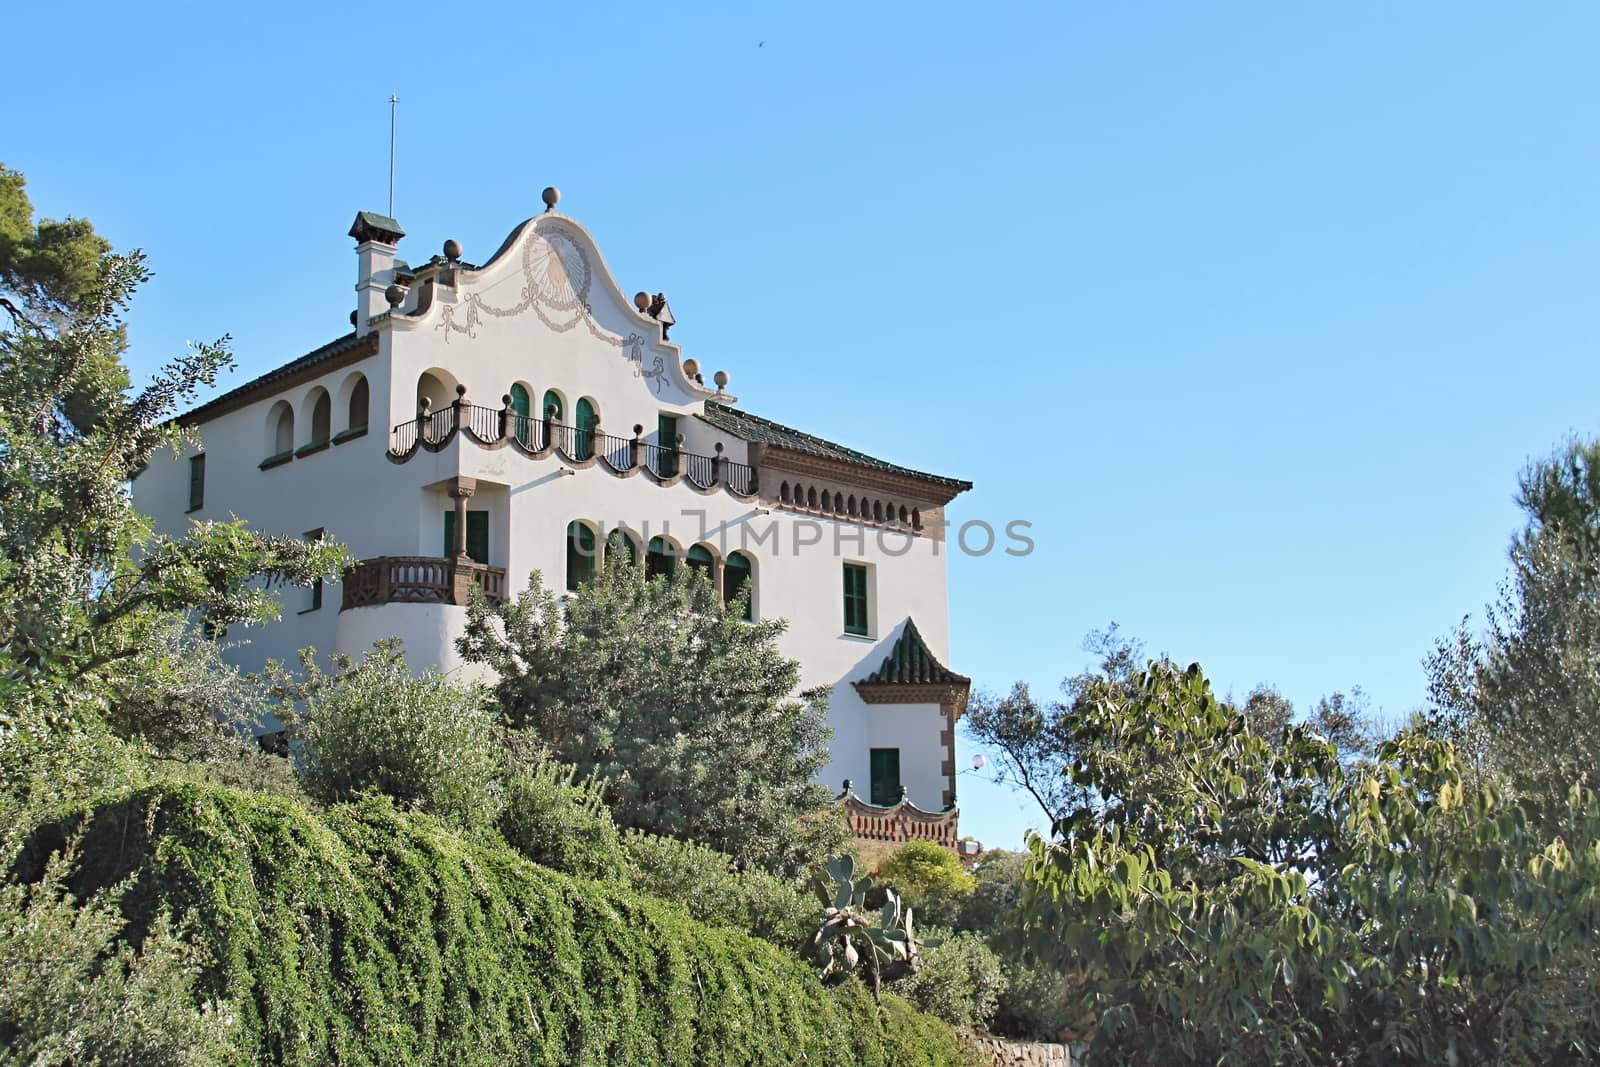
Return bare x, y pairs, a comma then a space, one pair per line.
552, 405
586, 420
700, 560
197, 482
855, 599
736, 579
477, 535
666, 445
885, 777
580, 554
659, 561
316, 586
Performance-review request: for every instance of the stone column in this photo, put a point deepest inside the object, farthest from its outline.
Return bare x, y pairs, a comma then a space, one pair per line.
460, 568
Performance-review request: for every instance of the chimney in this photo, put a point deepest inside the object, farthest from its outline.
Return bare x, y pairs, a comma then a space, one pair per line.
376, 236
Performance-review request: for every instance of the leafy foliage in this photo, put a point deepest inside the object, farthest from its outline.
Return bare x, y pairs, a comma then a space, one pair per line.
72, 992
368, 935
682, 708
78, 607
928, 876
959, 980
555, 819
707, 884
373, 727
1235, 902
1524, 696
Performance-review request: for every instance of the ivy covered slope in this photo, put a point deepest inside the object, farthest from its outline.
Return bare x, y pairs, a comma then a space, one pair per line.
368, 935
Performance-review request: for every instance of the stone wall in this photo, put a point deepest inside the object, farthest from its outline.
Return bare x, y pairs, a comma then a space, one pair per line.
1003, 1053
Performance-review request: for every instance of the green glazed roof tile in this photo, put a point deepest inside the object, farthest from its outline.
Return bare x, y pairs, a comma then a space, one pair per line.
911, 662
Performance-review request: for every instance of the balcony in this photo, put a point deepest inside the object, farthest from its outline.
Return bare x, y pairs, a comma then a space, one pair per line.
418, 580
538, 438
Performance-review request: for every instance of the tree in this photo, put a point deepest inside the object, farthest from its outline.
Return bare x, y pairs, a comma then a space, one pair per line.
1524, 695
1033, 740
684, 709
84, 585
1232, 901
930, 877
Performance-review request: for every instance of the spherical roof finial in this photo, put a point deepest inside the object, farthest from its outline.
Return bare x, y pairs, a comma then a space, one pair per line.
641, 300
394, 294
690, 368
721, 378
452, 249
551, 197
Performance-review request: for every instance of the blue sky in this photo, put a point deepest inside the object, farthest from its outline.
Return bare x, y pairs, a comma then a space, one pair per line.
1253, 310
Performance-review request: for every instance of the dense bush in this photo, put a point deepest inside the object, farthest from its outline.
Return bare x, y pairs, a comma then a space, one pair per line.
959, 979
369, 935
704, 881
555, 820
373, 727
930, 878
72, 993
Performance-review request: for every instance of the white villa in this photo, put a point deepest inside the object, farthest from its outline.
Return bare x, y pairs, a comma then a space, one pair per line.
483, 422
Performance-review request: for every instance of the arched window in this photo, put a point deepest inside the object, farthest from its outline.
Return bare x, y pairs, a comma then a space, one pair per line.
553, 409
735, 579
916, 518
521, 404
586, 420
811, 497
852, 506
877, 511
620, 541
904, 517
280, 430
827, 500
580, 554
321, 418
660, 560
360, 399
700, 561
783, 493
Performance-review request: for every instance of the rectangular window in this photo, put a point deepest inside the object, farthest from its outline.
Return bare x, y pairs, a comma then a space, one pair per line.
197, 482
477, 535
666, 442
855, 599
316, 586
885, 777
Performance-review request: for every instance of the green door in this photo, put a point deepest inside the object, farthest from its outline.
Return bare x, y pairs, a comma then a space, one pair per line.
477, 535
521, 404
885, 777
666, 441
585, 420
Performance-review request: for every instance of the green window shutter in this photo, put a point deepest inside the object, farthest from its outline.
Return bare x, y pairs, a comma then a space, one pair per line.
666, 441
449, 534
521, 404
855, 599
552, 406
197, 482
885, 765
659, 561
478, 536
580, 554
585, 421
735, 577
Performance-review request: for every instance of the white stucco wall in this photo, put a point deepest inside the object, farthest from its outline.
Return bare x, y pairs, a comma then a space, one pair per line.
547, 313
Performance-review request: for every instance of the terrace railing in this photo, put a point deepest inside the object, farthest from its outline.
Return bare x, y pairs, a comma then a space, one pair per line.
496, 427
418, 580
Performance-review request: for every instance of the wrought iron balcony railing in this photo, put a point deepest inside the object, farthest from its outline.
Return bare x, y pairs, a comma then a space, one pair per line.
505, 428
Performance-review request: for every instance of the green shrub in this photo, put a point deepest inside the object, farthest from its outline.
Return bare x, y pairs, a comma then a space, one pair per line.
373, 727
930, 878
72, 993
557, 821
367, 935
704, 881
959, 979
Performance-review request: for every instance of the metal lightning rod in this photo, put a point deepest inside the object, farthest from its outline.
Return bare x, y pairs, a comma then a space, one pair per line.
393, 100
